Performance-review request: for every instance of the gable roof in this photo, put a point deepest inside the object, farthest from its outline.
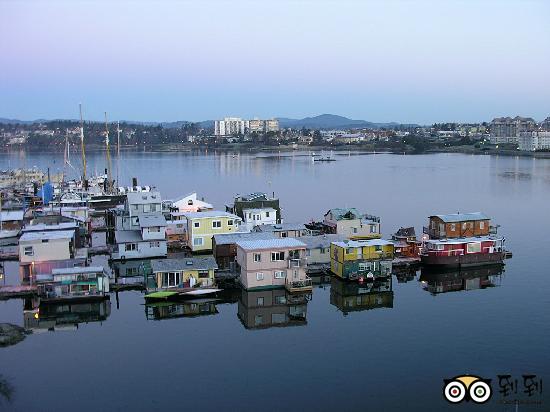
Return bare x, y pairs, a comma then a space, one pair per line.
275, 243
189, 263
231, 238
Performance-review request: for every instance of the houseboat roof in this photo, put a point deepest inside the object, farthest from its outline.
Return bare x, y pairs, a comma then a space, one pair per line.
252, 196
190, 263
143, 197
461, 240
321, 241
44, 227
210, 213
259, 209
126, 236
231, 238
11, 215
152, 220
77, 269
49, 235
462, 217
361, 243
275, 243
280, 227
344, 213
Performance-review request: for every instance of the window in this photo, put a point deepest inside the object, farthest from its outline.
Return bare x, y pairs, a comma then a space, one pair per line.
322, 251
349, 251
257, 257
258, 320
284, 234
482, 225
453, 227
259, 276
45, 240
154, 229
378, 248
204, 274
230, 222
474, 247
260, 301
197, 241
277, 256
154, 244
216, 224
135, 208
132, 272
171, 279
280, 274
29, 251
146, 208
280, 300
130, 246
196, 224
373, 229
266, 214
354, 230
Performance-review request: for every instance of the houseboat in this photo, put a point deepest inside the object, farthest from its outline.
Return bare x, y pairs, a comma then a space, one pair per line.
361, 259
11, 222
460, 240
73, 284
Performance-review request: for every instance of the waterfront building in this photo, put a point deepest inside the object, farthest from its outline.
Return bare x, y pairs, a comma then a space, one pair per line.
356, 297
202, 226
283, 230
140, 227
43, 246
229, 126
318, 251
257, 200
352, 224
361, 259
460, 240
76, 283
224, 247
190, 272
268, 263
507, 129
405, 242
11, 222
534, 141
261, 216
262, 309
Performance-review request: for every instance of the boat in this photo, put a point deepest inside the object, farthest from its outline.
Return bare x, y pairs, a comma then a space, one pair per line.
181, 293
323, 159
461, 240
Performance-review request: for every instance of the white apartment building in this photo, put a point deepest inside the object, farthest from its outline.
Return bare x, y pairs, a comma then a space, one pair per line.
533, 141
235, 125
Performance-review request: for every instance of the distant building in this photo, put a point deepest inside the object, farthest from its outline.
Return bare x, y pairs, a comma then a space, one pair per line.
508, 130
534, 141
256, 200
230, 126
545, 124
202, 226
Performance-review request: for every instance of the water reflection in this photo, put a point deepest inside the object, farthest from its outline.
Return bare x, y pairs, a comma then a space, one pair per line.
52, 317
171, 310
439, 281
275, 307
355, 296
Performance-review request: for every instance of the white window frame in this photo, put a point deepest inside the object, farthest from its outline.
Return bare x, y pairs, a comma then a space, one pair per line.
196, 224
257, 257
216, 224
278, 256
279, 274
259, 276
198, 241
28, 251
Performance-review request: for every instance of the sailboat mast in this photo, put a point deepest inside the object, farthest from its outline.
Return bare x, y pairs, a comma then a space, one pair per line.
107, 146
117, 151
82, 146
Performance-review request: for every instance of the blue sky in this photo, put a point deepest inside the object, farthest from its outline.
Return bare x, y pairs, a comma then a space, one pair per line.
406, 61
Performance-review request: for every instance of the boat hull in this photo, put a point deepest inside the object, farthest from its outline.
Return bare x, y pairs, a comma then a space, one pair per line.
474, 259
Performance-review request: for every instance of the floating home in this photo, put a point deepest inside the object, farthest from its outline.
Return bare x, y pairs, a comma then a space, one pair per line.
76, 283
256, 200
191, 272
257, 217
361, 259
11, 222
318, 251
461, 240
224, 247
350, 223
283, 229
191, 203
271, 263
202, 226
262, 309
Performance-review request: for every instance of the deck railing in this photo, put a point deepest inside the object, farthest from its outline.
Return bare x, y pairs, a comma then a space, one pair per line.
299, 284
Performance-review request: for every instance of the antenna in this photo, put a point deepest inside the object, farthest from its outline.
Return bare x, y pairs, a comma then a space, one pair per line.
109, 182
82, 146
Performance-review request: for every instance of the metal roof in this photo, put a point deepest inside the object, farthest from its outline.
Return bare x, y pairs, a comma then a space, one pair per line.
43, 227
49, 235
190, 263
275, 243
280, 227
78, 269
462, 217
361, 243
211, 213
231, 238
152, 220
125, 236
321, 241
7, 215
140, 198
259, 209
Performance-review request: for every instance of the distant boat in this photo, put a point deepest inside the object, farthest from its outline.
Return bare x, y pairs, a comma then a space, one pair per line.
322, 159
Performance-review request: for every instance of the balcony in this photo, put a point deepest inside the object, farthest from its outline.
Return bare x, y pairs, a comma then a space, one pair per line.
294, 263
299, 285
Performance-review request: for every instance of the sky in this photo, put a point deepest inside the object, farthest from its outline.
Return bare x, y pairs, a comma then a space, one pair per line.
405, 61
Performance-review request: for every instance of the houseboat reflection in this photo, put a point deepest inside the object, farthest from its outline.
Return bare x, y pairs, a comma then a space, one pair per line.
354, 296
187, 309
443, 281
68, 316
261, 309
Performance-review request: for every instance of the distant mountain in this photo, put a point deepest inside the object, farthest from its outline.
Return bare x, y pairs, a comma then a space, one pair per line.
328, 121
16, 121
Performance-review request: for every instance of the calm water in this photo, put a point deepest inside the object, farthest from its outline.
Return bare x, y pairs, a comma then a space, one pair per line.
340, 349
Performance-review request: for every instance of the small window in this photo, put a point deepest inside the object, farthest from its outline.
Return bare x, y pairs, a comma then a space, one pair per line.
354, 230
453, 227
277, 256
260, 301
257, 257
230, 222
146, 208
349, 251
154, 244
259, 276
154, 229
482, 225
29, 251
197, 224
216, 224
197, 241
130, 246
280, 274
45, 240
322, 251
266, 214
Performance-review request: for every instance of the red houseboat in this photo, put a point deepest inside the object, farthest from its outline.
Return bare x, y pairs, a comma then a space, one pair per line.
460, 240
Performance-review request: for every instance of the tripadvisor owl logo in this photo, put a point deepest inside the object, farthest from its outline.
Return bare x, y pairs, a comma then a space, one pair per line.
469, 387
